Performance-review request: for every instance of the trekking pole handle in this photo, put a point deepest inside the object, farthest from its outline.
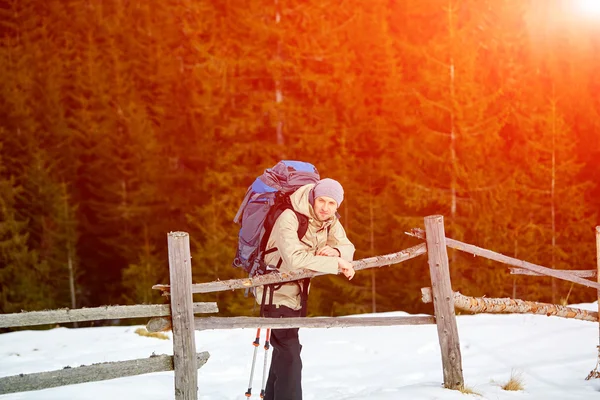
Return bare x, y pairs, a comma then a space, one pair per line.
267, 339
257, 340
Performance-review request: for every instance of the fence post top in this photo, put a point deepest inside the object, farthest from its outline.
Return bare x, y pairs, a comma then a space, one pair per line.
434, 217
178, 234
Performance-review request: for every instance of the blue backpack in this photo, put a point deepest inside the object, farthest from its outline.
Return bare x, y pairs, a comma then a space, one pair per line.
265, 200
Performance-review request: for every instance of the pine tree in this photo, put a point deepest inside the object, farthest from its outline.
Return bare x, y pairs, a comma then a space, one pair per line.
21, 272
373, 111
33, 143
122, 121
549, 144
116, 119
454, 165
139, 277
549, 184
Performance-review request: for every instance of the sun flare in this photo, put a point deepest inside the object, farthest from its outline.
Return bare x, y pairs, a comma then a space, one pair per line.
588, 7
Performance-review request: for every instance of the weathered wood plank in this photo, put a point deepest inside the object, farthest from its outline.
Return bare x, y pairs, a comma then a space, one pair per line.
515, 306
443, 302
159, 324
598, 264
598, 276
594, 373
492, 255
184, 344
582, 273
318, 322
66, 315
358, 265
91, 373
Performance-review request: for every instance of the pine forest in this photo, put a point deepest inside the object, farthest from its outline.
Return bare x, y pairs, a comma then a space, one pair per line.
124, 120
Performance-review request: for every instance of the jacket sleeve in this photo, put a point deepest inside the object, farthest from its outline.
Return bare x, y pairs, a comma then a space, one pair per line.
294, 253
338, 240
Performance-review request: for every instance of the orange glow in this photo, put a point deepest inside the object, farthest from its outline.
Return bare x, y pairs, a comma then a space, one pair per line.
588, 7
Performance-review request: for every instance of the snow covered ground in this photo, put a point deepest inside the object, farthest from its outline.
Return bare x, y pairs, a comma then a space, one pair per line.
551, 355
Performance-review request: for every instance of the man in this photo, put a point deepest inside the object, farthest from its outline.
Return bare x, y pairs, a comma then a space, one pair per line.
324, 248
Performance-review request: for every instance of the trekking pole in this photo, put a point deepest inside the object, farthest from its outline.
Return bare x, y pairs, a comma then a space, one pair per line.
264, 382
255, 343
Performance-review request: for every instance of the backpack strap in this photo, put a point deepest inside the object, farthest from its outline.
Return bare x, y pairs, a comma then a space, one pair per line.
302, 224
304, 296
270, 222
271, 290
262, 301
302, 229
238, 215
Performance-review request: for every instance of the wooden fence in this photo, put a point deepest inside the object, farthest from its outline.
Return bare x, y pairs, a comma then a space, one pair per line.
444, 309
95, 372
508, 305
440, 293
180, 315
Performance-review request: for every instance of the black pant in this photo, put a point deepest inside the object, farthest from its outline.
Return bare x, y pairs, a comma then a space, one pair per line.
285, 374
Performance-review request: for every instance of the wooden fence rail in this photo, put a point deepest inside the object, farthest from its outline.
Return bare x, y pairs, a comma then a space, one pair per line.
244, 283
491, 305
316, 322
201, 324
492, 255
582, 273
95, 314
91, 373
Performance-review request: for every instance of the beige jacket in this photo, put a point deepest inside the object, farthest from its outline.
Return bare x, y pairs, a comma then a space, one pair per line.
296, 254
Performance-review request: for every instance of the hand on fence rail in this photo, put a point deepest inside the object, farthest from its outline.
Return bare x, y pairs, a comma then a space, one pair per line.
365, 263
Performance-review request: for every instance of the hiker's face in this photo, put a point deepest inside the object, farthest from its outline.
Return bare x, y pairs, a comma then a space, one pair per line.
325, 207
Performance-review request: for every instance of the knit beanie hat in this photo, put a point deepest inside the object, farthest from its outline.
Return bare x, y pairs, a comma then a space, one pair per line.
329, 188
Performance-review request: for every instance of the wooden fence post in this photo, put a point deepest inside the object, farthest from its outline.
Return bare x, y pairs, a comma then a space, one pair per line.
598, 278
443, 301
184, 344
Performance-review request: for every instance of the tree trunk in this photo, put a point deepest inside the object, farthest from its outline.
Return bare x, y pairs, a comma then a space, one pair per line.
453, 158
278, 86
372, 242
553, 199
70, 255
